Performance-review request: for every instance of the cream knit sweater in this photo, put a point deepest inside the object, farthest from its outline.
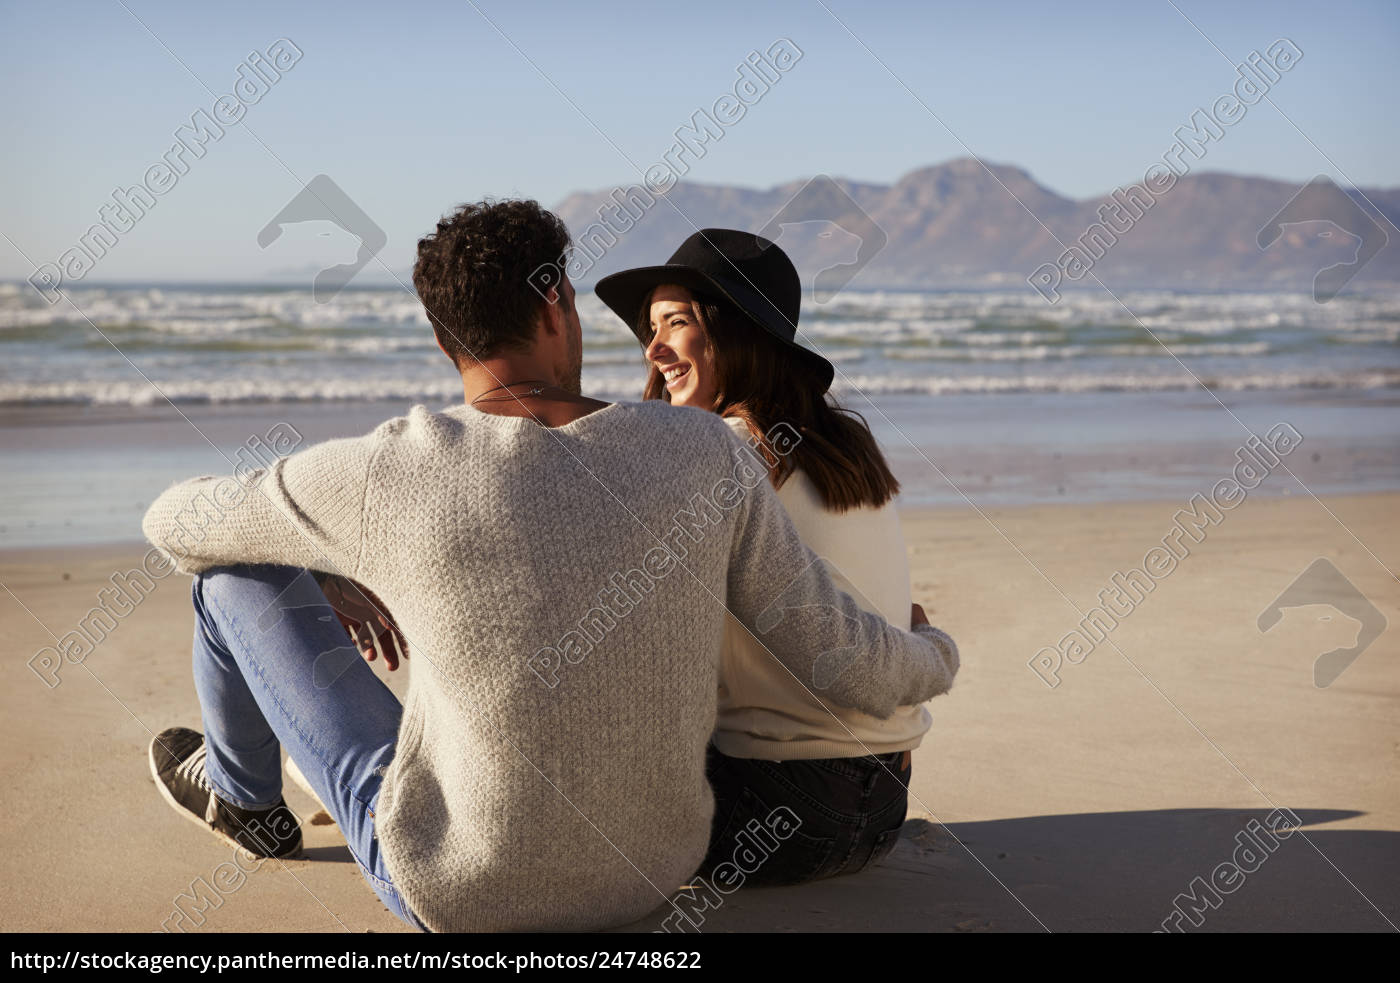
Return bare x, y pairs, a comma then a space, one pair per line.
563, 593
764, 712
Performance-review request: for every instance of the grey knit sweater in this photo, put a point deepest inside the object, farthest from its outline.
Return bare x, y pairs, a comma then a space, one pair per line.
563, 594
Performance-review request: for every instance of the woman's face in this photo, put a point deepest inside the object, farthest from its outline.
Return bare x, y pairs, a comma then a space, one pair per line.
678, 349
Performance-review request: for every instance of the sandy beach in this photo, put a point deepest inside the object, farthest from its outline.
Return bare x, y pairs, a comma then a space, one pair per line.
1091, 805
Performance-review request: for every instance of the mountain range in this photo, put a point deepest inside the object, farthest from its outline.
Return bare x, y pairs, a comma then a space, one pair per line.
970, 223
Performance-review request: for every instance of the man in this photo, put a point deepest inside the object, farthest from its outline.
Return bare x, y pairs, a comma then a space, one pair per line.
559, 568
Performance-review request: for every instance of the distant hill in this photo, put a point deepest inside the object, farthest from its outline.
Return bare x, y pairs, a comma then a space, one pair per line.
958, 224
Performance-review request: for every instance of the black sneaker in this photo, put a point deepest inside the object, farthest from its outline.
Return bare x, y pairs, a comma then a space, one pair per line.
177, 764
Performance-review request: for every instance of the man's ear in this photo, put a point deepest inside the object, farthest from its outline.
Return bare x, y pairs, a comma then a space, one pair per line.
450, 357
552, 318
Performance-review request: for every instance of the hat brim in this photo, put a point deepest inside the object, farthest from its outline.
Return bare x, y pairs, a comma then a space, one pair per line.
625, 292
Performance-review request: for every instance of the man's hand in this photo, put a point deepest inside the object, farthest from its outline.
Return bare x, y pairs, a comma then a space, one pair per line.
367, 620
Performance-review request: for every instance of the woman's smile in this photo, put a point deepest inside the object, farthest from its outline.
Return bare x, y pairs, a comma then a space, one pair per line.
674, 374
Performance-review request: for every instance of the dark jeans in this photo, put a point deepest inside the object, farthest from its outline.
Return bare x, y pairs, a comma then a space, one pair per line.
785, 822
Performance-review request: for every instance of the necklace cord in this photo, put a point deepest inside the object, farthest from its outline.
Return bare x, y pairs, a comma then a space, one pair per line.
486, 397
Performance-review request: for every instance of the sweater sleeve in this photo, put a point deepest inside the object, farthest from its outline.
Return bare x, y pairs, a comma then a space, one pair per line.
305, 510
783, 593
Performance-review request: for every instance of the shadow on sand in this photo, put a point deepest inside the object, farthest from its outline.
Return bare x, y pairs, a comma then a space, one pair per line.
1118, 871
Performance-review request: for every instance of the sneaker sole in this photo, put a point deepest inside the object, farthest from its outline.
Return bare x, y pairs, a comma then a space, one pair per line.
199, 820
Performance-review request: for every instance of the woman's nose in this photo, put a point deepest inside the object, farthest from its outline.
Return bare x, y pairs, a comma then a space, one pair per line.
655, 350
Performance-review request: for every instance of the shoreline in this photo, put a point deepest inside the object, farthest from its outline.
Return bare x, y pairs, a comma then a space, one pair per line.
79, 551
86, 474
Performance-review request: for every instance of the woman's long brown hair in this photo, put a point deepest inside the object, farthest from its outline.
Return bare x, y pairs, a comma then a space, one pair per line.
761, 382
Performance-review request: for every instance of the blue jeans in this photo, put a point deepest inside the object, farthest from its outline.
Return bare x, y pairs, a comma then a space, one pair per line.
274, 668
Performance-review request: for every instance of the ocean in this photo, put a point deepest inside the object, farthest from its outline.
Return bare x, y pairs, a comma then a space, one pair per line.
980, 398
224, 344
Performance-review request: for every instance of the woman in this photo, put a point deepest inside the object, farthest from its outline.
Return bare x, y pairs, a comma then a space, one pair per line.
718, 323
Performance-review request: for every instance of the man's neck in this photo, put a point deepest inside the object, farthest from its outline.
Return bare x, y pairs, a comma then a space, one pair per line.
479, 378
553, 407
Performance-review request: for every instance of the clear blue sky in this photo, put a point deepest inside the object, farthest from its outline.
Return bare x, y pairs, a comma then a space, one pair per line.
414, 106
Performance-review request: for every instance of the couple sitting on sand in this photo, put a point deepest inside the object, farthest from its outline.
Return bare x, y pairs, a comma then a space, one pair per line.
636, 653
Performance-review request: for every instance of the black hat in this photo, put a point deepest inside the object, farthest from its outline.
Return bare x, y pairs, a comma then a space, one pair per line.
747, 270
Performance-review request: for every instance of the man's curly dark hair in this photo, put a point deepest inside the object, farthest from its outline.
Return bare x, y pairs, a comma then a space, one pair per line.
473, 275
